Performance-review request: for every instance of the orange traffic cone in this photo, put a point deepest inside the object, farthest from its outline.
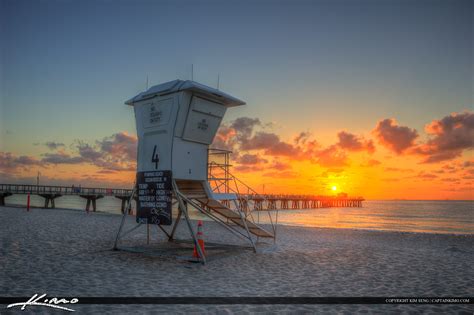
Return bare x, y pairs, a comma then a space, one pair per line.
200, 241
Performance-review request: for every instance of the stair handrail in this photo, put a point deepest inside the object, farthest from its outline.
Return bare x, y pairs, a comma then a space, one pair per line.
254, 193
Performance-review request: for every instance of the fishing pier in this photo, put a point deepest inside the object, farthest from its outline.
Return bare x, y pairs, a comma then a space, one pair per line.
248, 202
50, 193
295, 202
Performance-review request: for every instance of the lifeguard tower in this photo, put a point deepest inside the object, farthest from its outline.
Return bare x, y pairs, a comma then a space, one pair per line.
176, 122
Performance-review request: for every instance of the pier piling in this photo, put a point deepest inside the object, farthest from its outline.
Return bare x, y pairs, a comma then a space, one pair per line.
4, 195
91, 199
49, 199
124, 199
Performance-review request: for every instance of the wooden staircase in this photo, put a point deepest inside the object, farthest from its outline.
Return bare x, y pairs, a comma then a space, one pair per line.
200, 191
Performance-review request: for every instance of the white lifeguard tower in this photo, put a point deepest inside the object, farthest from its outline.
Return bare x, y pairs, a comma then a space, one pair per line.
176, 122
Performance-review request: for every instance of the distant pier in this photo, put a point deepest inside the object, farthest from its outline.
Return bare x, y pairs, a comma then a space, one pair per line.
247, 202
295, 202
50, 193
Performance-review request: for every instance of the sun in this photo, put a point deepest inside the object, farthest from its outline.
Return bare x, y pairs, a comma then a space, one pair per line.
334, 188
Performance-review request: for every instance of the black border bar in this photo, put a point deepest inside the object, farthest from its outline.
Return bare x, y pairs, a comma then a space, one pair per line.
253, 300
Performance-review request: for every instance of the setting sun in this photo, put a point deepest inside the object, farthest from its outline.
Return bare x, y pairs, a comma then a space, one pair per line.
334, 188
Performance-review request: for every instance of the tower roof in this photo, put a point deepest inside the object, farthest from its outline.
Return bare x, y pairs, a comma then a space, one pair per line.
180, 85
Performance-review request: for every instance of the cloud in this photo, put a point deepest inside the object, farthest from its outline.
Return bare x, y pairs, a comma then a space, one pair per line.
9, 162
335, 170
120, 147
468, 163
394, 137
248, 168
469, 178
111, 154
117, 152
351, 142
53, 145
270, 143
451, 180
450, 136
106, 172
87, 152
425, 176
241, 134
372, 162
302, 137
447, 139
249, 159
230, 135
244, 126
449, 167
246, 135
440, 156
225, 138
398, 170
331, 156
61, 158
280, 166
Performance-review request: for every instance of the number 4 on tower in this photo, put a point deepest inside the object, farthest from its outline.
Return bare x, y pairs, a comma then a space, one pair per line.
154, 158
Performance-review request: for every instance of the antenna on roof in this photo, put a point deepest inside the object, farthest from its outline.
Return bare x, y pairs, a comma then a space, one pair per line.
192, 72
218, 77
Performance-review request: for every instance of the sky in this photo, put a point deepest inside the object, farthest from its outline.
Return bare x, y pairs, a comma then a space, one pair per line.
374, 98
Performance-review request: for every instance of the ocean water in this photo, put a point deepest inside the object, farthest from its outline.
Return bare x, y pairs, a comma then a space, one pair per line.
446, 217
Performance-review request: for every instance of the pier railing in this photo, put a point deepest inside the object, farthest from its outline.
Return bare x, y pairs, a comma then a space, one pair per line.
249, 200
63, 190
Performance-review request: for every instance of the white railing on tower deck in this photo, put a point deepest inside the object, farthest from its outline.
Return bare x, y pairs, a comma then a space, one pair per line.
222, 181
218, 165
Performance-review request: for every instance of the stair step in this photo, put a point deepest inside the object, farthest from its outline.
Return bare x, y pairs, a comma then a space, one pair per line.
196, 190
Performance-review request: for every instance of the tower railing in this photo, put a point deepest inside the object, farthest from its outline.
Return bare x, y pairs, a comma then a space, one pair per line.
245, 195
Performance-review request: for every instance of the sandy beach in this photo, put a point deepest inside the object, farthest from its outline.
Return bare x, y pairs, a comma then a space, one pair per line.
68, 253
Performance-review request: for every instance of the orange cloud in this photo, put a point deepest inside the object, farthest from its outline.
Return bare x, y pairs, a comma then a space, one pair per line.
451, 135
372, 162
394, 137
251, 159
351, 142
331, 156
302, 137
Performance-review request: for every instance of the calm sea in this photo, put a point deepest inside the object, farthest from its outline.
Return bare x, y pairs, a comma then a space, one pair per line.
452, 217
